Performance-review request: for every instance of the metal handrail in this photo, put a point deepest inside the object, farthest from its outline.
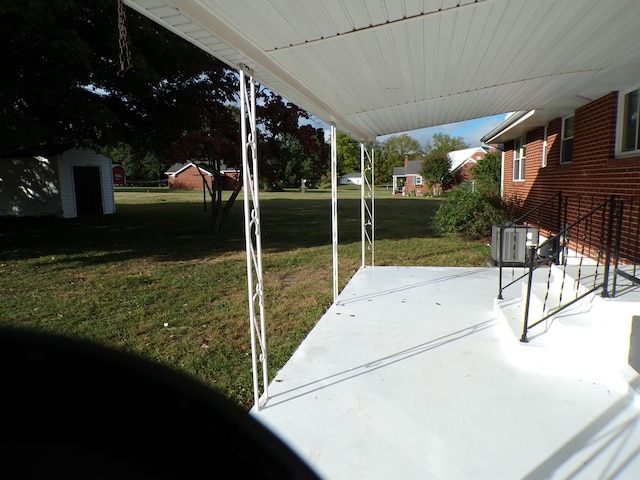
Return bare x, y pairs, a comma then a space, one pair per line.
538, 207
614, 206
561, 202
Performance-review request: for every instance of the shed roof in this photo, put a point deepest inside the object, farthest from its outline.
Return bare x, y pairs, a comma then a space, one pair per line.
375, 68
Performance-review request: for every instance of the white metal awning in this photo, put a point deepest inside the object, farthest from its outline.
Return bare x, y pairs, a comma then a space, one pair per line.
388, 66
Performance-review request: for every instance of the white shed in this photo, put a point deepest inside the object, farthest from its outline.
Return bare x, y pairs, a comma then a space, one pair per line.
78, 182
86, 183
354, 178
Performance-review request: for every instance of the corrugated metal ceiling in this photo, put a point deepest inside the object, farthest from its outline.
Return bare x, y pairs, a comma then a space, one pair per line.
387, 66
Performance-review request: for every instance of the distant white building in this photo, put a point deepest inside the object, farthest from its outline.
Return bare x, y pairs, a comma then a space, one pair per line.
354, 178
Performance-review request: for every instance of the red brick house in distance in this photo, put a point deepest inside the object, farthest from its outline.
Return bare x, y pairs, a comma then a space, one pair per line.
407, 180
189, 176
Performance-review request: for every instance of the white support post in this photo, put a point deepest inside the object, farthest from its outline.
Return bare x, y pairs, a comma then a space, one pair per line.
367, 204
253, 236
334, 211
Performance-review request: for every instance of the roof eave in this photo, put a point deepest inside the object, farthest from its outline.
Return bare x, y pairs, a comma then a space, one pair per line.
508, 124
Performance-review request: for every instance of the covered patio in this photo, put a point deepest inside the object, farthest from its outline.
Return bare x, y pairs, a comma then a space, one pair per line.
410, 373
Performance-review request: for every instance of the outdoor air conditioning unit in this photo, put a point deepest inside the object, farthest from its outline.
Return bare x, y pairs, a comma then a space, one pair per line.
513, 246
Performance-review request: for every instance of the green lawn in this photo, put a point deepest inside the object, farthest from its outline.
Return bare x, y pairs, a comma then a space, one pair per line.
151, 279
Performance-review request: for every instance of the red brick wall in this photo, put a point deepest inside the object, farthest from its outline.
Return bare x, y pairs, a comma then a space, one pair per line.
190, 179
593, 173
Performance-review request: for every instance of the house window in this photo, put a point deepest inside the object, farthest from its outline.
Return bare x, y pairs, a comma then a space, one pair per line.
519, 155
628, 123
566, 155
419, 180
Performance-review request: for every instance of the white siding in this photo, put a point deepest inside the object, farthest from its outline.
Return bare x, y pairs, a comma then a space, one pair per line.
29, 187
77, 157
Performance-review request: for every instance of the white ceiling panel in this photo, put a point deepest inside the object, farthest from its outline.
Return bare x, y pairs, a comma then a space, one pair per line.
375, 67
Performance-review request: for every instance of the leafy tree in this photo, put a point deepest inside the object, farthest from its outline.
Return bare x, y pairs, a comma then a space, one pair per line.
445, 143
63, 87
140, 167
436, 170
214, 149
486, 173
288, 151
348, 151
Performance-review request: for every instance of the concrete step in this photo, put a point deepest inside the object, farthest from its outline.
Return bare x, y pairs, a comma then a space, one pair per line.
551, 288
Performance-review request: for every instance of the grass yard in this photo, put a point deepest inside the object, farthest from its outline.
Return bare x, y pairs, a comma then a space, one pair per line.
152, 280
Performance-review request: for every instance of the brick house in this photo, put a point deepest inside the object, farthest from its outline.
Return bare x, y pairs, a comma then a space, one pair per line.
462, 161
588, 154
189, 176
407, 180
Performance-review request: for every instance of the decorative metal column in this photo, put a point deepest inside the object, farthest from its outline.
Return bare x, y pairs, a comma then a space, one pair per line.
334, 210
367, 204
252, 235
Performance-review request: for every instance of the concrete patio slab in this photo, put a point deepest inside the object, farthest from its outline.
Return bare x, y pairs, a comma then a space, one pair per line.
412, 375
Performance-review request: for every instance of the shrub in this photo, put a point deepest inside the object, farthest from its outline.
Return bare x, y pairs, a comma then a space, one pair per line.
486, 174
469, 214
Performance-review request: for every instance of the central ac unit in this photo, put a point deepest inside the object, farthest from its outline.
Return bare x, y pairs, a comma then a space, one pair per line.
511, 245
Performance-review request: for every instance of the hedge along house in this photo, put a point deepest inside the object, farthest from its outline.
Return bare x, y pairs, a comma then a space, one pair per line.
75, 183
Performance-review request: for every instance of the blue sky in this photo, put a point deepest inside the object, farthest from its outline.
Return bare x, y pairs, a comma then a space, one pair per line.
471, 130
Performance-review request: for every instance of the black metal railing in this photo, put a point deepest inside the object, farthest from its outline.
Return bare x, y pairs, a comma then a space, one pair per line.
590, 252
550, 214
603, 214
627, 244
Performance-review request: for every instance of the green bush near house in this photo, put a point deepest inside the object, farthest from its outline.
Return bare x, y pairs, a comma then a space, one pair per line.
469, 214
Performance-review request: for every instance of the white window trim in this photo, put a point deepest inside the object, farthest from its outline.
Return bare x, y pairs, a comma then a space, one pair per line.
419, 181
516, 150
619, 124
563, 138
545, 146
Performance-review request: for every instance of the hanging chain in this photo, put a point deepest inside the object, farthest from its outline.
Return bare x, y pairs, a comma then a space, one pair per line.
125, 54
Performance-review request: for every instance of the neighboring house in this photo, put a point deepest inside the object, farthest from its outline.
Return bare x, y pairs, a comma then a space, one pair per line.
462, 161
191, 176
408, 180
354, 178
592, 151
75, 183
119, 175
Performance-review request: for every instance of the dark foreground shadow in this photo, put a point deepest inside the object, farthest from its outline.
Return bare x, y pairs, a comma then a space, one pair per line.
77, 410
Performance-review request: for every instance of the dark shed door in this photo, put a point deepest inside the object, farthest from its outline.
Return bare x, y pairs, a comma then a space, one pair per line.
88, 188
